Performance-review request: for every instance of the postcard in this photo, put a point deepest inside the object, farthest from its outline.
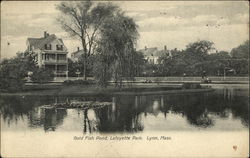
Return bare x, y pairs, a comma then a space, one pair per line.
124, 79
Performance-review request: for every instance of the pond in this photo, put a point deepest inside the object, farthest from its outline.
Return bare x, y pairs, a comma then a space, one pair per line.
225, 109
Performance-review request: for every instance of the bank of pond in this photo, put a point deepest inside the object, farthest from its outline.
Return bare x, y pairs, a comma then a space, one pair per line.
54, 89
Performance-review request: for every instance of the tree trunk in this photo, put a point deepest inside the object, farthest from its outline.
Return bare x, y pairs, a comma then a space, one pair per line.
84, 69
85, 59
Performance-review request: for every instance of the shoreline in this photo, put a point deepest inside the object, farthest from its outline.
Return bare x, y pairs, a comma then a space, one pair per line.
86, 91
137, 89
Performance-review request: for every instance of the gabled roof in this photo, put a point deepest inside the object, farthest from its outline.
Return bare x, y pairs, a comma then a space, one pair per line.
39, 43
153, 51
35, 41
149, 51
61, 40
161, 52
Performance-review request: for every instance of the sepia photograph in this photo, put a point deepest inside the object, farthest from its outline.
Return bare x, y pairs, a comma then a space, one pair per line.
124, 79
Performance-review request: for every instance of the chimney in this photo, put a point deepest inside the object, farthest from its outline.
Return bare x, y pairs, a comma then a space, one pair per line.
78, 49
45, 34
146, 48
165, 47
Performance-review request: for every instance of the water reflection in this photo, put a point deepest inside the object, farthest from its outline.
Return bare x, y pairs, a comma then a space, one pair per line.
123, 115
223, 109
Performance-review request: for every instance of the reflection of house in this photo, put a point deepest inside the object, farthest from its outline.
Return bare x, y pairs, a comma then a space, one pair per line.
152, 55
51, 53
77, 54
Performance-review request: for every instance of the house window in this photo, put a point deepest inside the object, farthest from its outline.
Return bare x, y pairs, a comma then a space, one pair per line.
59, 47
46, 56
61, 57
52, 56
48, 47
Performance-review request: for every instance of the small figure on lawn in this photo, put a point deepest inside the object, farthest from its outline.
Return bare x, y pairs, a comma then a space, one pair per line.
204, 74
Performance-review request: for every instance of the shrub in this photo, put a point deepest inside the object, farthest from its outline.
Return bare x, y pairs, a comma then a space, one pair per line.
42, 75
191, 86
13, 71
12, 75
158, 80
79, 82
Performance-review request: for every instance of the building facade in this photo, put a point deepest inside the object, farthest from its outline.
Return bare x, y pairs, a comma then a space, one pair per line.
152, 55
51, 53
77, 54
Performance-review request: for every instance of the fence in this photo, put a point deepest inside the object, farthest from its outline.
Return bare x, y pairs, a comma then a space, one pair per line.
192, 79
167, 79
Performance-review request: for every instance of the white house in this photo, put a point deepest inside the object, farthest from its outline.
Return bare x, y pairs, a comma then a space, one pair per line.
77, 54
51, 53
152, 55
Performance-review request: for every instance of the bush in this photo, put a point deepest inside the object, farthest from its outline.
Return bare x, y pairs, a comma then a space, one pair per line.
191, 86
13, 71
12, 75
79, 82
42, 75
11, 85
38, 87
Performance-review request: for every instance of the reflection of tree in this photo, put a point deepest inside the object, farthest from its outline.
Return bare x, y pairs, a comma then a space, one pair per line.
154, 108
13, 108
196, 107
35, 117
234, 100
199, 117
150, 104
53, 118
86, 122
124, 117
127, 111
191, 106
240, 109
48, 118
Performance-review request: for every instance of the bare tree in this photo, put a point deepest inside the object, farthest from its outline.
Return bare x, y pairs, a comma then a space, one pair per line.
82, 20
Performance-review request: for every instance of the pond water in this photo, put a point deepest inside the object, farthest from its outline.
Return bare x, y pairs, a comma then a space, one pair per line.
225, 109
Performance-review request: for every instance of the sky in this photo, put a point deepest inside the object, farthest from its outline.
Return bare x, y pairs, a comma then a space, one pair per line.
171, 23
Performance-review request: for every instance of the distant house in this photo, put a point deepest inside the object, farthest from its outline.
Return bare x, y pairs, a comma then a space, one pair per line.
51, 53
77, 54
152, 55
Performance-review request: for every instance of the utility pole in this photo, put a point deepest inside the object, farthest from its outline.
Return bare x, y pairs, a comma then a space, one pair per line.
224, 76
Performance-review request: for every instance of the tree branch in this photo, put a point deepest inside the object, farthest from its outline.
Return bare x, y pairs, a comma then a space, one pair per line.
70, 29
74, 15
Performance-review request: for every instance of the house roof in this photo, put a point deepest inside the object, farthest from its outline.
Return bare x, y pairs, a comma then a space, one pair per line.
153, 52
39, 43
78, 52
161, 52
149, 51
